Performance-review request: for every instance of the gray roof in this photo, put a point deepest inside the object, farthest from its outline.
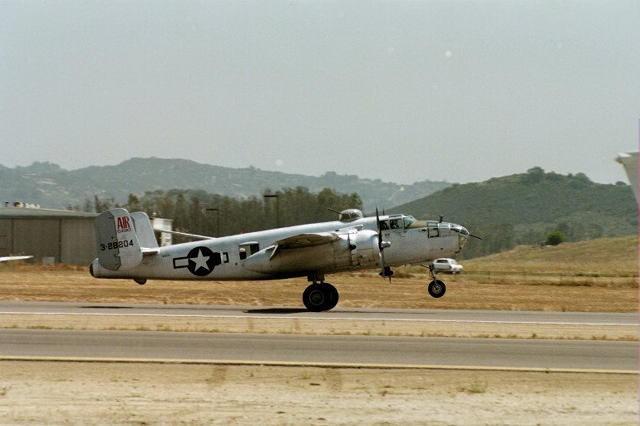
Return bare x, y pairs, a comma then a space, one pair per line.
35, 213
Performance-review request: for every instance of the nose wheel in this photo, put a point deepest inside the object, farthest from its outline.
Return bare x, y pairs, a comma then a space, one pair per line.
436, 288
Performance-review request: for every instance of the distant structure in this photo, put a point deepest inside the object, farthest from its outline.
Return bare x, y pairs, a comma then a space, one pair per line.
630, 163
55, 236
51, 236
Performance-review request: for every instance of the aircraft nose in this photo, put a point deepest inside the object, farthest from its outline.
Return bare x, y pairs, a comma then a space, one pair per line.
463, 235
460, 230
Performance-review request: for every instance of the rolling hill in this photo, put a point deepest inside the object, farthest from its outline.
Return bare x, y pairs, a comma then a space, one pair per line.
524, 208
53, 187
585, 257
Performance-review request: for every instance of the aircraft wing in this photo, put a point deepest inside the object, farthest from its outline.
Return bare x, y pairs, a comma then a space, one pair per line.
304, 240
8, 258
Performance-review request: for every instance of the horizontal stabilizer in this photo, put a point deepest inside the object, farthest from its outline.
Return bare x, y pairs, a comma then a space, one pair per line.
185, 234
8, 258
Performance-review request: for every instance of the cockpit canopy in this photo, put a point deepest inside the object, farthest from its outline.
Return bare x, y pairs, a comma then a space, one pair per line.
400, 222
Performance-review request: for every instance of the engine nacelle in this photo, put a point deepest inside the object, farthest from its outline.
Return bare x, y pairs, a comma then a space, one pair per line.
349, 250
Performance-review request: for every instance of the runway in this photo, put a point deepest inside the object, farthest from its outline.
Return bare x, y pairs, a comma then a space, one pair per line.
360, 314
324, 349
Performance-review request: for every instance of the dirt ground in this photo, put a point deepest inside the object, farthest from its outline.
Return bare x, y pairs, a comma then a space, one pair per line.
143, 394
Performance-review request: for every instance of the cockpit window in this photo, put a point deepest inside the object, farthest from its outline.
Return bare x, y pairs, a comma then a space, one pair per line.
401, 222
396, 223
408, 221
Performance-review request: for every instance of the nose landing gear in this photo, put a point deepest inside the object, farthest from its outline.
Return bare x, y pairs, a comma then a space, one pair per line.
436, 288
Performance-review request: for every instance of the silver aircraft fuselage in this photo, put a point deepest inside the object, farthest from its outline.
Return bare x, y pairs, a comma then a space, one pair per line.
256, 255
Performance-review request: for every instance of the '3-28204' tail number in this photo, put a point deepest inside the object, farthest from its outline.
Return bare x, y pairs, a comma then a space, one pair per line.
116, 244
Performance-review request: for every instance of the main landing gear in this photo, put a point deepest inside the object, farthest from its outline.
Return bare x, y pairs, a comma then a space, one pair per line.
436, 288
320, 296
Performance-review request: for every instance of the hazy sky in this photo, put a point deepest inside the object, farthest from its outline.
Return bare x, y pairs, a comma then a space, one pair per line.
397, 90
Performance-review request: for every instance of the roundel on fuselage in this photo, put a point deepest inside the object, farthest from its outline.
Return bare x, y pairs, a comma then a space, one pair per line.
202, 261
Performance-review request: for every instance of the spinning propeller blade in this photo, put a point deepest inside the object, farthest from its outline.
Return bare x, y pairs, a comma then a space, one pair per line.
386, 270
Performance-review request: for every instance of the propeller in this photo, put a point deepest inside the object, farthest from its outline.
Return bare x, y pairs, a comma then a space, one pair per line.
385, 270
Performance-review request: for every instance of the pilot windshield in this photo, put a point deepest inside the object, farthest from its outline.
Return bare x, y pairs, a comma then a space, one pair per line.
408, 221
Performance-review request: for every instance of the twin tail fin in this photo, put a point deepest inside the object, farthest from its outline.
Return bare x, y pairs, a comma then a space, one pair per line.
123, 238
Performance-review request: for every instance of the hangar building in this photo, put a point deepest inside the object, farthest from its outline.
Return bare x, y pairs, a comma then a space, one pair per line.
52, 236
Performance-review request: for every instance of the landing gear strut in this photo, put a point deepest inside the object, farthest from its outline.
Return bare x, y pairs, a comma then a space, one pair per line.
436, 288
320, 296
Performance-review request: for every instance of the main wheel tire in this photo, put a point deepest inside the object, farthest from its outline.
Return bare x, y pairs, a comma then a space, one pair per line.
333, 296
314, 298
437, 289
320, 297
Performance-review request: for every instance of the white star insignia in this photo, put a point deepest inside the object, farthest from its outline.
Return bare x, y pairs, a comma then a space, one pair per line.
200, 261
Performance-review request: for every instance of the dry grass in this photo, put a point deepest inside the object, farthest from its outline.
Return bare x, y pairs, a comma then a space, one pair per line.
606, 257
356, 290
594, 276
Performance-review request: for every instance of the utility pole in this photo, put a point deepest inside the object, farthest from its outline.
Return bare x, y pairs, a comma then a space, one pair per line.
277, 197
217, 210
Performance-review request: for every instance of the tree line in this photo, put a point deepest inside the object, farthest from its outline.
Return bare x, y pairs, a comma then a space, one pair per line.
199, 212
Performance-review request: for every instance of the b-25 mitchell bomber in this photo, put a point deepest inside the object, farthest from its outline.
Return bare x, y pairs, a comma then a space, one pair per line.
127, 248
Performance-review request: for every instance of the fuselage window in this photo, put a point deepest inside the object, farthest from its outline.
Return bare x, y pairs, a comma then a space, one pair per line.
248, 249
445, 229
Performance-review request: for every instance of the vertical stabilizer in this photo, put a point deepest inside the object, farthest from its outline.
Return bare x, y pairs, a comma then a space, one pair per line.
144, 230
117, 242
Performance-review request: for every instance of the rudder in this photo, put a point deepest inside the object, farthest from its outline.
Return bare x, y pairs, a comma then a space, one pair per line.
117, 243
